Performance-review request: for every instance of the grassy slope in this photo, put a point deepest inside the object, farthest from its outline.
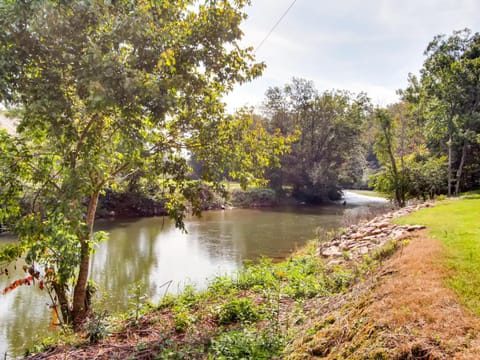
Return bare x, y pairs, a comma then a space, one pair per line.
403, 310
457, 224
246, 316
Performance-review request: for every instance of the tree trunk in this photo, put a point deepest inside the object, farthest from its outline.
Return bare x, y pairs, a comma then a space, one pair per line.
81, 302
460, 168
65, 309
449, 164
399, 196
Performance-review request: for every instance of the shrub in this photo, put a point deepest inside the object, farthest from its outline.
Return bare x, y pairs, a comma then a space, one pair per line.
237, 310
183, 319
96, 327
256, 275
253, 198
246, 344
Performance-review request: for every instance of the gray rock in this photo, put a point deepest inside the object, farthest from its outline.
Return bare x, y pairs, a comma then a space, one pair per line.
332, 251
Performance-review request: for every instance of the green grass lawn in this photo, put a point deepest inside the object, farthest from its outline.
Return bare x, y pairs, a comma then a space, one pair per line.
456, 223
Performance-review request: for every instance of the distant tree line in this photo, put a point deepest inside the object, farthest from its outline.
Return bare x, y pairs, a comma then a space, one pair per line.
425, 145
430, 143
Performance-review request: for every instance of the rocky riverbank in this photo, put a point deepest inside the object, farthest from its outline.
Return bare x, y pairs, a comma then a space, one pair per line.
401, 309
365, 237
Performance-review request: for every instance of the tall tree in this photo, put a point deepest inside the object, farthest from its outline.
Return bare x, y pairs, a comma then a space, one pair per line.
106, 90
448, 94
408, 169
330, 126
389, 149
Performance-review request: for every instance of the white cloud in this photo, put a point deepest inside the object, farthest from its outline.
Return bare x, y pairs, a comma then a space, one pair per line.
355, 45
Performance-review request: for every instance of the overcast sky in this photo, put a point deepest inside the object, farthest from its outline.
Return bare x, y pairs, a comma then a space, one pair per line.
356, 45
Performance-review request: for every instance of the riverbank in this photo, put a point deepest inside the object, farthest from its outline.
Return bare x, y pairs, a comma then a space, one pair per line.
423, 303
268, 309
138, 204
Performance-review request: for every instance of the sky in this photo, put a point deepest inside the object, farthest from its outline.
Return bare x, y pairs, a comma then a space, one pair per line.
355, 45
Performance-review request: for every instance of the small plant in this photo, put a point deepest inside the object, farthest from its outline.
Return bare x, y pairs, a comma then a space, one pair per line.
237, 310
386, 251
167, 301
97, 327
339, 279
183, 319
137, 298
141, 346
175, 351
64, 336
256, 276
188, 296
221, 285
246, 344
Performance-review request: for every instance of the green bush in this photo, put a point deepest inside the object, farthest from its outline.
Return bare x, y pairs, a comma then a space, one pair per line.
303, 277
256, 275
246, 344
188, 297
253, 198
237, 310
182, 318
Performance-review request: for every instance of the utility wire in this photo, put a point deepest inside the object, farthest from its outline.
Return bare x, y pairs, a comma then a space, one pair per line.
275, 26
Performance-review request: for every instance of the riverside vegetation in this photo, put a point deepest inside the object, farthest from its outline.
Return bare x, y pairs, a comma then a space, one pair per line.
248, 315
310, 306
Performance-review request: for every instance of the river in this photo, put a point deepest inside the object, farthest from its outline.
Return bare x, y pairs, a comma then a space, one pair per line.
153, 252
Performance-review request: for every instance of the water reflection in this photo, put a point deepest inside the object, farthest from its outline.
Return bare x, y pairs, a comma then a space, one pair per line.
17, 309
154, 252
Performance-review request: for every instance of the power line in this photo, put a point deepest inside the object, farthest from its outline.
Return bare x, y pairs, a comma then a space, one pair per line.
275, 26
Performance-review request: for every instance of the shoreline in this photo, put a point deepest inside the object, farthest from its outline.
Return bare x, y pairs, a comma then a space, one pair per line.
350, 267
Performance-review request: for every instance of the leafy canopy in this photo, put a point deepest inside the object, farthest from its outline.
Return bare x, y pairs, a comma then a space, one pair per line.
107, 90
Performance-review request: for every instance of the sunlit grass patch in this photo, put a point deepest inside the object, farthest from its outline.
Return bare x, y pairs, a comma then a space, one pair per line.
457, 224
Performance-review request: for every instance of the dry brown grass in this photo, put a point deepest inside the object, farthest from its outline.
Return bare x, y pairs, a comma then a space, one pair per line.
401, 311
414, 300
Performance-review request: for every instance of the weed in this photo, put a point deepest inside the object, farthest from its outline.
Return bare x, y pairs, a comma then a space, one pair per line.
173, 351
221, 285
237, 310
188, 297
256, 275
167, 301
137, 298
65, 336
141, 346
97, 327
386, 251
339, 279
183, 319
246, 344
